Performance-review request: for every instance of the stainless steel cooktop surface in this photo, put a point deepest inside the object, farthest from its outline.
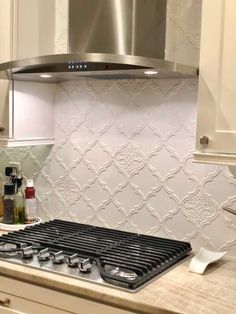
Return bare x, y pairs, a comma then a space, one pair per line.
119, 259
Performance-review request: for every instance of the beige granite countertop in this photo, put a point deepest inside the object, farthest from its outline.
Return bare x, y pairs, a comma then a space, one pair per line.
176, 291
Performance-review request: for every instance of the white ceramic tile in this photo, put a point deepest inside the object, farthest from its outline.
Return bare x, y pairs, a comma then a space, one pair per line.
136, 174
123, 152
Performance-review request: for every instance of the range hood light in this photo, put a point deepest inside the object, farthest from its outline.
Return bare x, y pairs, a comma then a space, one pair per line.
45, 75
150, 72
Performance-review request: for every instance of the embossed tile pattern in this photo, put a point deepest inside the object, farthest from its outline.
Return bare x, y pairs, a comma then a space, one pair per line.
123, 162
123, 151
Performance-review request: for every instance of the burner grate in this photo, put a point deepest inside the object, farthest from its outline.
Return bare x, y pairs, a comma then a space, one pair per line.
123, 258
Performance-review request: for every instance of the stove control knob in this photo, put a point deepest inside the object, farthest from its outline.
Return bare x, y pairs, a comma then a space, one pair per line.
85, 266
73, 260
27, 252
58, 257
44, 255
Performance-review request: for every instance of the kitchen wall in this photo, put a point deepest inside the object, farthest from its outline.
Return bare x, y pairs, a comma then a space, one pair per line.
123, 153
183, 30
123, 159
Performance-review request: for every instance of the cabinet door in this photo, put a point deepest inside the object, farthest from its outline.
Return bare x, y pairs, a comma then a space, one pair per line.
4, 310
28, 298
35, 28
26, 113
30, 28
217, 83
33, 113
24, 306
5, 128
6, 49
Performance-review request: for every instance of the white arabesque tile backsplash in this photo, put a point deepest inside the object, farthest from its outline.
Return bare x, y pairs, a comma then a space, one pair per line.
123, 159
123, 151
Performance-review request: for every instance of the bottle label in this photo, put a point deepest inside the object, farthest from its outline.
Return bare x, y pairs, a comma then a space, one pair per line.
30, 208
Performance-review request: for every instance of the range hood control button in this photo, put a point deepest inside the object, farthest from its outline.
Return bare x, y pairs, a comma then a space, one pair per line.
44, 255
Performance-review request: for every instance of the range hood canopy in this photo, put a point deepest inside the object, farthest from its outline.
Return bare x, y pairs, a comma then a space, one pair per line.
106, 39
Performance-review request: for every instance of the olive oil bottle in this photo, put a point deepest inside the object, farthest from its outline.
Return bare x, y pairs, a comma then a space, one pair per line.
19, 203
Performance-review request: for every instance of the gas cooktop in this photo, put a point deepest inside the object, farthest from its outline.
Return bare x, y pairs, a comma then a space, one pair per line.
111, 257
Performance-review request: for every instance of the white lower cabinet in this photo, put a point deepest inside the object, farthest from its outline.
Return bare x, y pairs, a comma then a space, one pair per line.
20, 297
20, 305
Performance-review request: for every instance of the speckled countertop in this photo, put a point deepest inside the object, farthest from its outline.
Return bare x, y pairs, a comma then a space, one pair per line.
177, 291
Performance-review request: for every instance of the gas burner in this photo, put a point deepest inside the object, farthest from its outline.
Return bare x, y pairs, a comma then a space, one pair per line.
110, 257
8, 246
9, 249
123, 273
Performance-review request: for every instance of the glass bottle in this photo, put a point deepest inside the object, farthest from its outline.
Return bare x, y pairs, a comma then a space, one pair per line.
30, 202
9, 203
1, 203
19, 203
1, 208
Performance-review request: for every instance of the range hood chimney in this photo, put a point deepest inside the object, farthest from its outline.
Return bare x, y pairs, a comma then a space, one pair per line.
106, 39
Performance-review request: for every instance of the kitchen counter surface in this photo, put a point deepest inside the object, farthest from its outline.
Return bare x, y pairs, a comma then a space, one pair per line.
176, 291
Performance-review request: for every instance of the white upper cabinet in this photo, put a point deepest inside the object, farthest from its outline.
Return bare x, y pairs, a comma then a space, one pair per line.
27, 28
34, 33
26, 113
216, 122
6, 49
26, 109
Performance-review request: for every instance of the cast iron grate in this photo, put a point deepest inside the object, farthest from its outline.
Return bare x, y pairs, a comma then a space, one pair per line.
123, 258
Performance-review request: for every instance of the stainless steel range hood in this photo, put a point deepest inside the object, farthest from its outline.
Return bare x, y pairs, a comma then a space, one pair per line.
106, 39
